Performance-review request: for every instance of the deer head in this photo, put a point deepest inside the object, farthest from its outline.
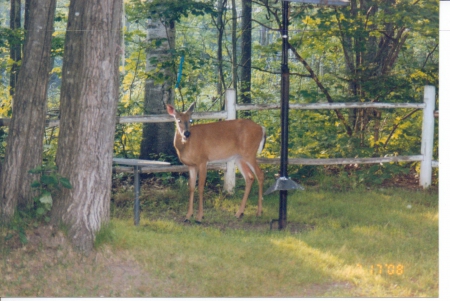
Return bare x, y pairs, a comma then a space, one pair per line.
183, 120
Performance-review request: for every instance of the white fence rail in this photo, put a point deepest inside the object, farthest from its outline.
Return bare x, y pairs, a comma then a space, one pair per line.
425, 157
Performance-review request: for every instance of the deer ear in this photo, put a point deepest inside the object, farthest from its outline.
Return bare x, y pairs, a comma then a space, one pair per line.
170, 110
191, 108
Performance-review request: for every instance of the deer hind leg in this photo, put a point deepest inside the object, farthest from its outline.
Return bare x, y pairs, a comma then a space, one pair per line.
192, 181
249, 179
201, 187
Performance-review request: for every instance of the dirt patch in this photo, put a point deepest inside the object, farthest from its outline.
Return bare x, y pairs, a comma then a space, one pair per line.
321, 290
48, 266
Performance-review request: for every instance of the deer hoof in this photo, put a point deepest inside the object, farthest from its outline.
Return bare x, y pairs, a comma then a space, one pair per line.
198, 222
239, 215
187, 220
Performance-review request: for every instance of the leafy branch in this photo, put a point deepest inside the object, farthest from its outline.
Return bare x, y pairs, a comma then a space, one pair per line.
49, 182
397, 124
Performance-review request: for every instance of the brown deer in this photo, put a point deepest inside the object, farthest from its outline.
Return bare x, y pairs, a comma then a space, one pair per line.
222, 141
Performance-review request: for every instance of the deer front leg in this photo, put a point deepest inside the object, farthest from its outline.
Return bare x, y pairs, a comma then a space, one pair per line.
192, 180
201, 187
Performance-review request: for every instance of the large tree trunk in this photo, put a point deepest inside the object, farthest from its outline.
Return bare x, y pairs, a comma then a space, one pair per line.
89, 93
15, 48
246, 56
26, 130
158, 137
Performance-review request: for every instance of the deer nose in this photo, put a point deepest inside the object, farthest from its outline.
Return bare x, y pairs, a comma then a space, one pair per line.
187, 134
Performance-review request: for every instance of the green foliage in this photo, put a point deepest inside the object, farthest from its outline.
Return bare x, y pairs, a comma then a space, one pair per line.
48, 184
168, 10
11, 37
16, 229
319, 35
377, 174
58, 44
315, 34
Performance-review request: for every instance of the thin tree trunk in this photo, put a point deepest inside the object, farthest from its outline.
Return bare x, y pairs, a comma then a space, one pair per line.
246, 56
16, 47
234, 44
26, 130
26, 22
89, 94
220, 29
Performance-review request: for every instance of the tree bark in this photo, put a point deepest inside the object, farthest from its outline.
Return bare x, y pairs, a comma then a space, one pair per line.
220, 32
26, 130
15, 48
89, 94
234, 44
157, 138
246, 55
26, 23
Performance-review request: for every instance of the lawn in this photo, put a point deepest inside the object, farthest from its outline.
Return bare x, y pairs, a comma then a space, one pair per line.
359, 243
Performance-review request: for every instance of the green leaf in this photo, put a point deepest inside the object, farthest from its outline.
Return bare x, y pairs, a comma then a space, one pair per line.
35, 184
65, 183
40, 211
49, 180
35, 170
46, 198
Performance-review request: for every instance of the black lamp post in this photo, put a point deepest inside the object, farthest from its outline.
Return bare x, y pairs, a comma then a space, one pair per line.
283, 183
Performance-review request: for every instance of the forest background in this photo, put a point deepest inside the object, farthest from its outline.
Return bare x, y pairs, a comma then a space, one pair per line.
370, 51
336, 56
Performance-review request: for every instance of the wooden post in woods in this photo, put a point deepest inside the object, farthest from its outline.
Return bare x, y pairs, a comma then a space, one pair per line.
230, 173
429, 98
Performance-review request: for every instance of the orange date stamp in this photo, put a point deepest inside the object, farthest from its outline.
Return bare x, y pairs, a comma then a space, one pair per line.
383, 269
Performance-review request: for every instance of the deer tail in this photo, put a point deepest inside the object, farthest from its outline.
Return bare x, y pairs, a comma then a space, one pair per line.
263, 140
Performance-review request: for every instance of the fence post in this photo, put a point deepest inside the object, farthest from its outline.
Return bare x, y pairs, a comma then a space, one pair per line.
429, 98
230, 173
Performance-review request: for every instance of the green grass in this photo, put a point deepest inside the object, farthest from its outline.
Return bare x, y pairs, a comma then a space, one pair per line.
381, 243
358, 243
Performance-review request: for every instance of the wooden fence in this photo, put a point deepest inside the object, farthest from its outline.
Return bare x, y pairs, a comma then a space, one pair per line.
427, 163
428, 107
